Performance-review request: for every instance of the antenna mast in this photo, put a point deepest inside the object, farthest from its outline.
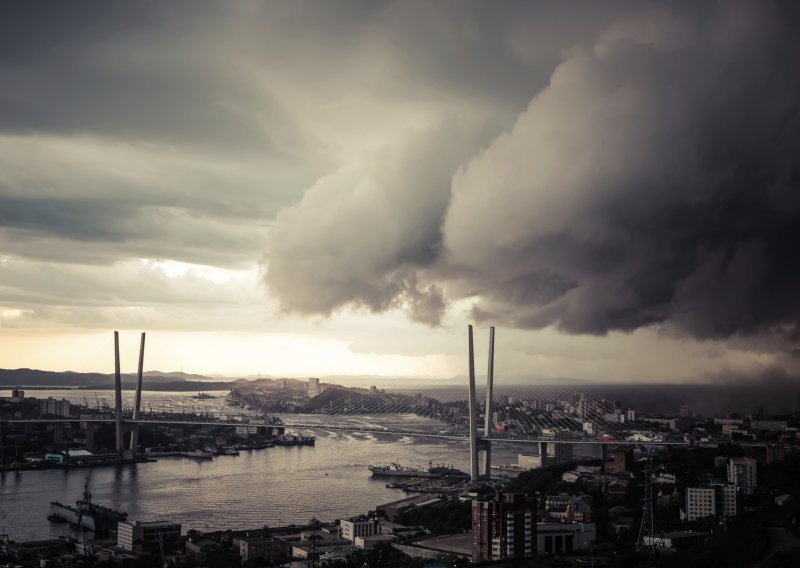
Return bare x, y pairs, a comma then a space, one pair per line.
647, 526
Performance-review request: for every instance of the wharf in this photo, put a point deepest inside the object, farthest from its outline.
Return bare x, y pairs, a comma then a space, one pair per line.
438, 486
182, 454
43, 465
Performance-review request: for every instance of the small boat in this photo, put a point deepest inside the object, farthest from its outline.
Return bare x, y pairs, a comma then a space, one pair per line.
203, 395
226, 451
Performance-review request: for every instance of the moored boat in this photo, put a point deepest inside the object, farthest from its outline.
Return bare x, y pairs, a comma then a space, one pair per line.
86, 514
397, 470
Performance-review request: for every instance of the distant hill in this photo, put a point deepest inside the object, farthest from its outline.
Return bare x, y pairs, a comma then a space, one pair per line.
155, 380
331, 394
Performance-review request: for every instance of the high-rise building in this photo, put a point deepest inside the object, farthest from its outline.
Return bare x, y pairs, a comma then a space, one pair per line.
742, 473
700, 503
503, 527
726, 500
583, 406
313, 388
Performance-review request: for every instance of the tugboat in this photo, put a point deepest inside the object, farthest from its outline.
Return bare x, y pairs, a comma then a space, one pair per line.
86, 515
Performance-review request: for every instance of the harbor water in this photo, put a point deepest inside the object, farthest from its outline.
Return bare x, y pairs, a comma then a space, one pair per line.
274, 486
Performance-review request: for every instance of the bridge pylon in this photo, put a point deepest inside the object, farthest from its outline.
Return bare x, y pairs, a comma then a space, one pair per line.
480, 447
137, 407
121, 427
117, 395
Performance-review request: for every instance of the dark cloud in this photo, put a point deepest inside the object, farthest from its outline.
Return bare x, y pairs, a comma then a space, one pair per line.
655, 180
657, 175
361, 236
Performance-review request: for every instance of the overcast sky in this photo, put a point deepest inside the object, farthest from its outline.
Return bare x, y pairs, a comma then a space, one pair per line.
338, 188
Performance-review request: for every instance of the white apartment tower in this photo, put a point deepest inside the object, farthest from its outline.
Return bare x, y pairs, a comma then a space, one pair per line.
701, 502
714, 501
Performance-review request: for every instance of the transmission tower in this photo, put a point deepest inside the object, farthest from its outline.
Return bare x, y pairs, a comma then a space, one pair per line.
647, 526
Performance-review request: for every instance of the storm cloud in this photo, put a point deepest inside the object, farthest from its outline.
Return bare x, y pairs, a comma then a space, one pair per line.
622, 171
653, 181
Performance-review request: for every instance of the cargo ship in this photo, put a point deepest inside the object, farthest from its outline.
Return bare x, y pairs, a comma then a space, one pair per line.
397, 470
86, 515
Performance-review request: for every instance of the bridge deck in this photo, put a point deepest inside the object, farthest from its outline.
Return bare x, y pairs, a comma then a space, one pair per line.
349, 428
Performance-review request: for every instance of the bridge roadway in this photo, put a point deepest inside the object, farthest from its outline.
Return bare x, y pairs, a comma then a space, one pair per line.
499, 437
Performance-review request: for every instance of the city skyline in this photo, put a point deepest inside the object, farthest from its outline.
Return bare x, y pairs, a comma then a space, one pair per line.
314, 189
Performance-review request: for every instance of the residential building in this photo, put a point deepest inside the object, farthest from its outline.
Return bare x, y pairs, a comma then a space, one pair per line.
779, 425
313, 388
715, 500
742, 473
503, 527
700, 503
54, 407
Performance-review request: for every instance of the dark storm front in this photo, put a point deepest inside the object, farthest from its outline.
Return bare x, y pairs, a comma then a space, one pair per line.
275, 487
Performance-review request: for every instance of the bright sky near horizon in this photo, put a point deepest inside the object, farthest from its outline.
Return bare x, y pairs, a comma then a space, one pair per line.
339, 188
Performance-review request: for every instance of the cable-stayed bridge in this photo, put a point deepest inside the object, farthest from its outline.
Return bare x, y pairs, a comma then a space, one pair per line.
561, 414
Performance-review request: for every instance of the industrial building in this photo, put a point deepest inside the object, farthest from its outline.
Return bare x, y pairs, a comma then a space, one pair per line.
555, 538
358, 527
138, 536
